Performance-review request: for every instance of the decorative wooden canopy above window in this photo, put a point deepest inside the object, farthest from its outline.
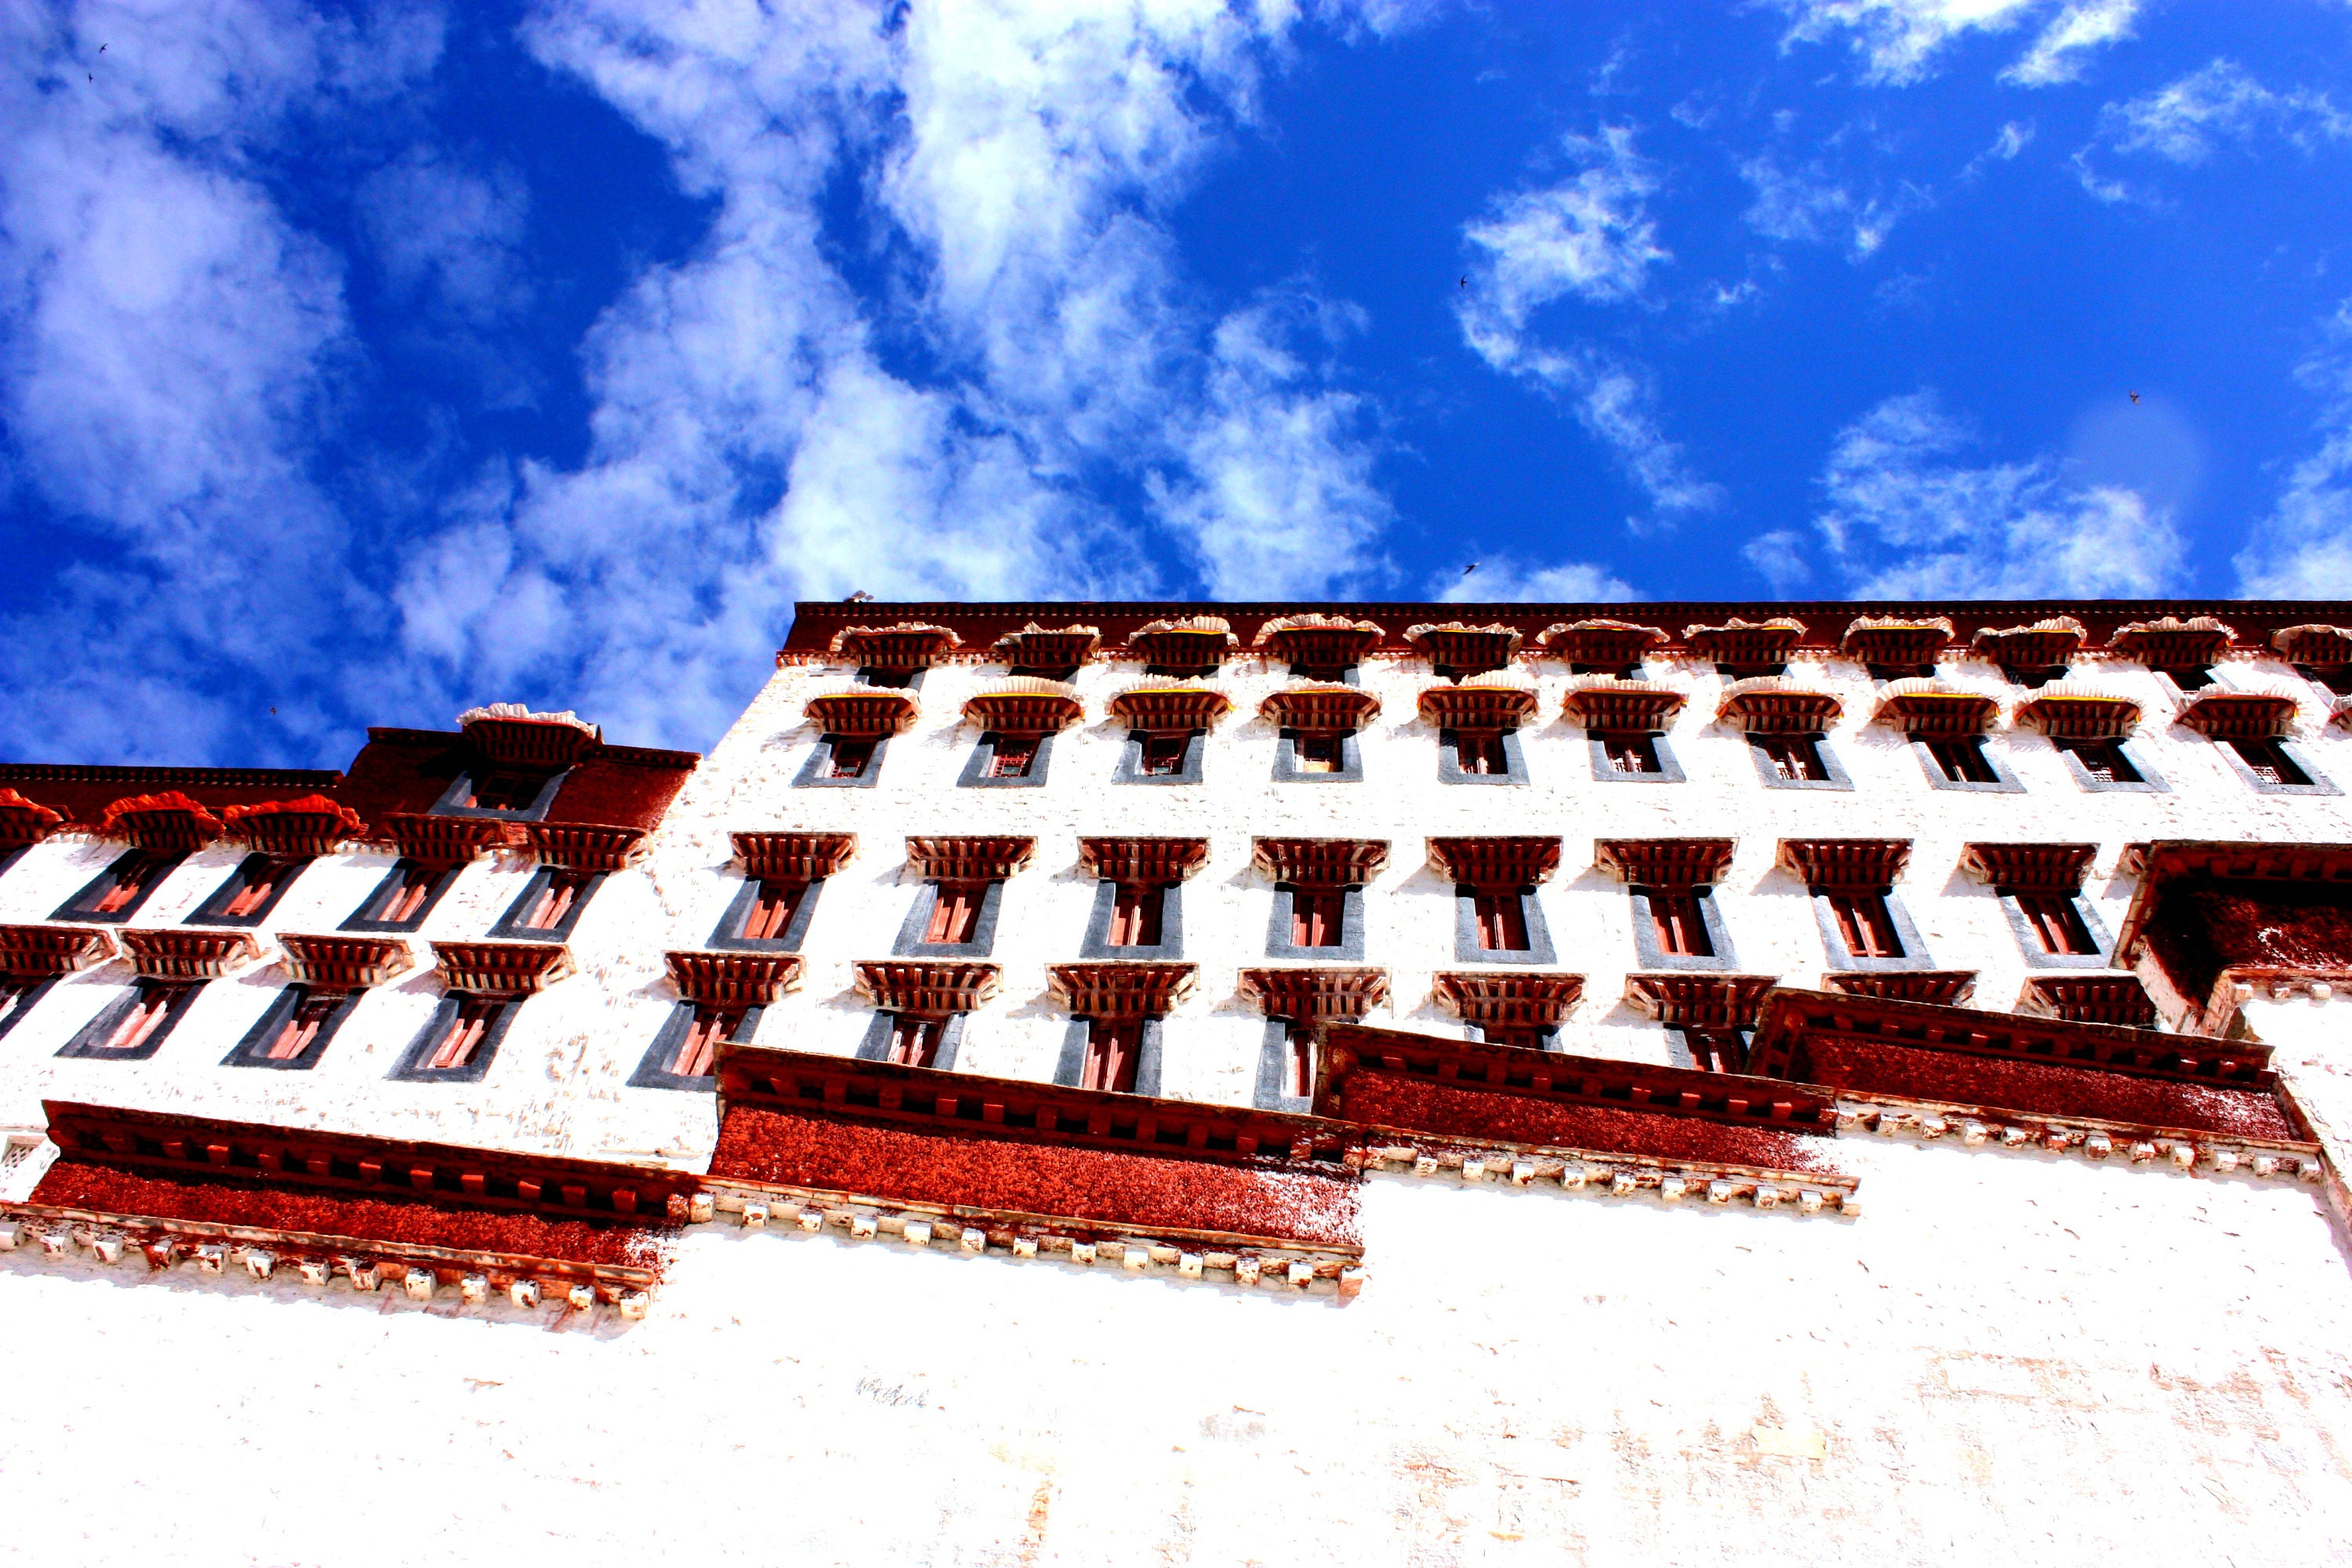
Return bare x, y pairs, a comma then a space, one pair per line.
2219, 714
2067, 710
509, 735
2089, 999
926, 989
1841, 865
1194, 645
1663, 862
441, 840
1041, 647
25, 822
1944, 987
1739, 642
583, 845
1145, 860
1025, 705
2030, 867
1158, 708
169, 822
1931, 710
1320, 707
733, 979
1883, 641
2318, 646
1323, 643
793, 856
39, 952
1604, 704
1117, 990
1601, 644
1776, 705
2037, 647
310, 826
1693, 1001
2173, 643
972, 858
902, 646
1321, 862
862, 713
1466, 650
188, 952
1525, 1000
1316, 996
498, 970
1483, 704
1495, 862
343, 963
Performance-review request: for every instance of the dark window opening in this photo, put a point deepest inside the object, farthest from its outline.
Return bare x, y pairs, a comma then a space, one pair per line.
2104, 761
116, 893
406, 896
557, 900
1164, 754
2033, 677
2191, 677
1481, 754
915, 1042
1630, 753
1621, 671
1901, 671
1114, 1048
249, 891
302, 1027
955, 912
699, 1050
1718, 1050
1797, 758
149, 1009
2056, 924
1528, 1036
1334, 674
1963, 762
772, 907
1680, 923
1865, 924
2267, 760
1502, 921
1047, 671
1135, 914
1318, 753
1317, 916
896, 680
2337, 677
16, 996
1012, 756
850, 759
1752, 671
503, 789
469, 1022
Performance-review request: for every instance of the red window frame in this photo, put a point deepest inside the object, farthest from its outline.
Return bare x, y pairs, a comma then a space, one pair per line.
1797, 758
1136, 912
149, 1010
145, 867
850, 759
1502, 919
955, 913
1718, 1050
1481, 754
1631, 751
2056, 924
914, 1041
774, 906
1114, 1051
1319, 752
2105, 761
1164, 754
301, 1026
468, 1025
1963, 761
1680, 921
1297, 1060
263, 875
1318, 917
558, 897
698, 1051
1013, 755
1865, 924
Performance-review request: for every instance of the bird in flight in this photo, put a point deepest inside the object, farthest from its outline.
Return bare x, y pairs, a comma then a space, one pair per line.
1467, 570
1466, 280
2135, 397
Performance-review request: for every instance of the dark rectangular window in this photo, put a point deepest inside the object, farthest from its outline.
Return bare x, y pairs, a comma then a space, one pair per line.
300, 1029
2268, 761
2104, 761
699, 1048
1482, 755
1135, 914
116, 893
1865, 924
1794, 757
150, 1008
1963, 762
1013, 757
405, 895
893, 679
1502, 921
772, 907
2056, 924
1718, 1050
504, 789
1526, 1037
1318, 753
915, 1042
1114, 1046
555, 902
1164, 753
2196, 677
1317, 916
1680, 923
850, 759
1630, 753
248, 893
469, 1022
955, 913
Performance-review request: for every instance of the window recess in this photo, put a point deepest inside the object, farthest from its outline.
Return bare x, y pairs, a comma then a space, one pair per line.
1319, 909
250, 891
1138, 909
1796, 758
2105, 761
1851, 882
115, 894
550, 904
1963, 761
1718, 1050
1677, 922
136, 1025
404, 896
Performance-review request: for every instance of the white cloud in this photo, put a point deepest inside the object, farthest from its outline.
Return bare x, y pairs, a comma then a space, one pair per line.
1780, 556
1904, 519
1504, 580
2185, 120
1899, 40
2303, 550
1813, 206
1589, 238
446, 236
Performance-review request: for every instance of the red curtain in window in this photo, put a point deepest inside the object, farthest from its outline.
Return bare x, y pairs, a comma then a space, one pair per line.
1481, 754
2056, 924
696, 1052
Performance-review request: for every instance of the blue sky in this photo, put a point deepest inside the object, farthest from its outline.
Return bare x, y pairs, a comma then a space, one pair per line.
358, 364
